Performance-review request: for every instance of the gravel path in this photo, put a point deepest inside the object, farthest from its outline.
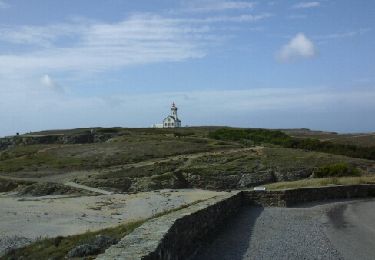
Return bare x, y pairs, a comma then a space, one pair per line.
84, 187
341, 230
351, 228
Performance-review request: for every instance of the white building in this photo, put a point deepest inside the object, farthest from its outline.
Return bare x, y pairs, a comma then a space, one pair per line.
172, 120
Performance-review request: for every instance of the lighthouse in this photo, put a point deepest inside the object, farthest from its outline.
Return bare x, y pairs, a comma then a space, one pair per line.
172, 120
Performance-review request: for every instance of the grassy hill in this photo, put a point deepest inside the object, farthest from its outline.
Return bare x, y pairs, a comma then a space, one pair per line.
132, 160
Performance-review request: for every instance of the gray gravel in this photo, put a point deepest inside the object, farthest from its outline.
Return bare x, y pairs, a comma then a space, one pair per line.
351, 229
274, 233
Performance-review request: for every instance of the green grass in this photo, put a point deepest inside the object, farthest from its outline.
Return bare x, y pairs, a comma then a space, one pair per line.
120, 150
336, 170
321, 182
222, 171
57, 248
276, 137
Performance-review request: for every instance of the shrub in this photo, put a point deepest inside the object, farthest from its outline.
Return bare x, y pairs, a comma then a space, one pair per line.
259, 136
336, 170
256, 136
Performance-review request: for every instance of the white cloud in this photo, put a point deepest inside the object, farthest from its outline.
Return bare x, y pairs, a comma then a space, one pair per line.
341, 35
217, 5
238, 18
270, 107
305, 5
40, 35
93, 46
298, 47
3, 5
139, 39
47, 81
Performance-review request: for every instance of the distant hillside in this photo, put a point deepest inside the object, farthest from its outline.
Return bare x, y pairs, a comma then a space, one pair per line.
132, 160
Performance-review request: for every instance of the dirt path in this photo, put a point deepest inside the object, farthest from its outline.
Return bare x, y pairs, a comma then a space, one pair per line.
70, 176
84, 187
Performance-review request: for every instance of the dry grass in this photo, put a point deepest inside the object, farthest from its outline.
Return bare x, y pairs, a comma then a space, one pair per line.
321, 182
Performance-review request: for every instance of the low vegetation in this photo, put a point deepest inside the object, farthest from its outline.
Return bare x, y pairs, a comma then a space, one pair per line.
321, 182
336, 170
58, 248
221, 171
122, 149
261, 136
133, 160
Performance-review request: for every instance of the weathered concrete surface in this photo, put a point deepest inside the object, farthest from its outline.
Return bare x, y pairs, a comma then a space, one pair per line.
337, 230
25, 219
177, 235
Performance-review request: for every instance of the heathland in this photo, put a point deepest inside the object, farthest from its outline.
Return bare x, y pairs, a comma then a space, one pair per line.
134, 160
57, 184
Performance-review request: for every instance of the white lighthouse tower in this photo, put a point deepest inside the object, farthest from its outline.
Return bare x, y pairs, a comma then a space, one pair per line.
172, 120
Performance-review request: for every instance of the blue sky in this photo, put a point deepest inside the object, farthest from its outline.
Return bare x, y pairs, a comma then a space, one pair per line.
273, 64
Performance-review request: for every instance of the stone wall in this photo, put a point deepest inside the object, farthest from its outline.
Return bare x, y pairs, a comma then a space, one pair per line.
177, 235
291, 197
180, 234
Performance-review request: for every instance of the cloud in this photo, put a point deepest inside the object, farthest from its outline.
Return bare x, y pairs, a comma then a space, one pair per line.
96, 46
140, 39
215, 5
262, 107
237, 18
299, 47
44, 36
4, 5
306, 5
47, 81
341, 35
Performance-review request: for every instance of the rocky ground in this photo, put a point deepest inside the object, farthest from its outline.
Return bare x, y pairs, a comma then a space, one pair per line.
25, 219
342, 230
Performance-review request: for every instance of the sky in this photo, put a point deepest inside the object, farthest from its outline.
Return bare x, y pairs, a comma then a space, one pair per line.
269, 64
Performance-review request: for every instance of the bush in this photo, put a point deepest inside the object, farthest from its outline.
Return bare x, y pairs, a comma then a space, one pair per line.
259, 136
255, 136
336, 170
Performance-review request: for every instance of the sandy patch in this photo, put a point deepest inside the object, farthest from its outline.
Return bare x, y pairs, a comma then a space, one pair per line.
51, 216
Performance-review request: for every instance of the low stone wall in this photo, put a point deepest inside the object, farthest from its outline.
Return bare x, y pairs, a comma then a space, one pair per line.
177, 235
180, 234
291, 197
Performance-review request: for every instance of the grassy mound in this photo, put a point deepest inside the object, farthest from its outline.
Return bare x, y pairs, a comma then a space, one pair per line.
336, 170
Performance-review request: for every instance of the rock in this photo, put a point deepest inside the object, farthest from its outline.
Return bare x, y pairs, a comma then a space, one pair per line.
42, 189
293, 174
97, 246
84, 250
254, 179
